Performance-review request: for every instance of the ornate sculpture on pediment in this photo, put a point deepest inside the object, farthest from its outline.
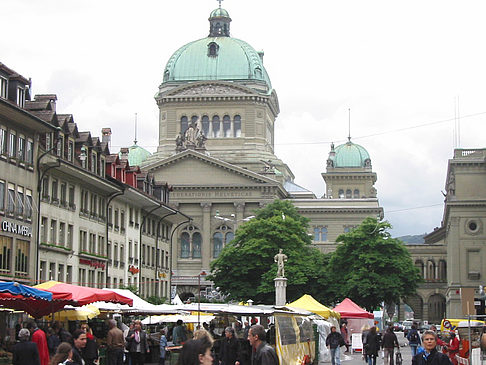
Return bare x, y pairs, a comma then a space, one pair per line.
330, 163
451, 185
193, 138
373, 192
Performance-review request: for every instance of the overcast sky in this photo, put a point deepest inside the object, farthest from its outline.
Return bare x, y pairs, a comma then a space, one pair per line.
398, 65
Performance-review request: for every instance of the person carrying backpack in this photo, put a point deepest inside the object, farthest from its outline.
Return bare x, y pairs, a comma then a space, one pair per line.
413, 338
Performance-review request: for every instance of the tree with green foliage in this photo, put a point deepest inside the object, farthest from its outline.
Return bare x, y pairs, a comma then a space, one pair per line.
245, 268
371, 267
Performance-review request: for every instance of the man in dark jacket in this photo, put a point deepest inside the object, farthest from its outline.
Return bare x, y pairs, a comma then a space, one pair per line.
388, 344
334, 341
137, 344
263, 353
25, 352
229, 353
413, 338
430, 356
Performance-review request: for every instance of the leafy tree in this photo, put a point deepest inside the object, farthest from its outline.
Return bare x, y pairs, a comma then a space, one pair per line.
156, 300
245, 268
370, 267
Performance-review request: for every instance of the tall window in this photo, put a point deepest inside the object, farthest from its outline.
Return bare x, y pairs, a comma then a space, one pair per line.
3, 140
184, 124
53, 231
54, 190
22, 256
341, 194
22, 147
20, 97
60, 146
3, 87
28, 203
348, 194
20, 201
29, 157
205, 125
356, 194
70, 151
43, 229
237, 126
63, 193
191, 243
221, 238
11, 199
71, 196
5, 252
12, 149
62, 233
226, 126
2, 195
216, 126
320, 234
70, 234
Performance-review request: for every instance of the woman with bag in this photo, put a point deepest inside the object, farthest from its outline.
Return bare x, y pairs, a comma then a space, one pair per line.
372, 346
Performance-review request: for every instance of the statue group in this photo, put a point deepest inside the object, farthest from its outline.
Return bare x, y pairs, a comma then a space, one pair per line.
193, 138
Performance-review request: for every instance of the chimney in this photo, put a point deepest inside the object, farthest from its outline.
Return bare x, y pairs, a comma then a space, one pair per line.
106, 136
124, 153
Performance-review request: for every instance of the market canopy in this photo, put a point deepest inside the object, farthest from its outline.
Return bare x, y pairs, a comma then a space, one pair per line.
34, 301
140, 306
82, 295
71, 313
349, 309
174, 318
308, 303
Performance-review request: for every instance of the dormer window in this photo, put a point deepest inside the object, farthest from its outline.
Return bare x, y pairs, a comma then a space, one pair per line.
213, 49
3, 87
20, 97
93, 162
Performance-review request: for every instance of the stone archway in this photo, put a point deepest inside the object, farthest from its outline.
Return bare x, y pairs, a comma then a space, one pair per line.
417, 304
185, 292
437, 308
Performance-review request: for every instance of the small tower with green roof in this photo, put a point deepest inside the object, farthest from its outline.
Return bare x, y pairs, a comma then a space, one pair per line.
349, 174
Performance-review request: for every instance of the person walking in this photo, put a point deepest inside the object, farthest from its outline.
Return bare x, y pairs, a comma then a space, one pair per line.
430, 356
389, 342
263, 353
90, 352
453, 348
229, 353
372, 346
334, 341
364, 335
63, 355
115, 343
413, 338
179, 333
40, 339
163, 345
79, 339
137, 344
345, 334
25, 352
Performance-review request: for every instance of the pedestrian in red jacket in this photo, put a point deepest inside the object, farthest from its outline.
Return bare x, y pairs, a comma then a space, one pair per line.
40, 339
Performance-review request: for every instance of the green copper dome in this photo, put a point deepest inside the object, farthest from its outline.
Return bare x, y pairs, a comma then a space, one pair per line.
217, 57
219, 12
136, 155
350, 154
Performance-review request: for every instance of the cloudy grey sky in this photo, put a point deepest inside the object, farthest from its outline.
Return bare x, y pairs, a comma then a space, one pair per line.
399, 65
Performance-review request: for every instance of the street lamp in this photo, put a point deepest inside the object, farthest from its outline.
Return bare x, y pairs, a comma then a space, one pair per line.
202, 273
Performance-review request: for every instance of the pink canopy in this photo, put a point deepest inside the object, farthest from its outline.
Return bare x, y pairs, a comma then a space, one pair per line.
349, 309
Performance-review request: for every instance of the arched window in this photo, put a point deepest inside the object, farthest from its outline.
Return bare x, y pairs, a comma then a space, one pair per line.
341, 194
356, 194
217, 244
184, 124
196, 245
216, 126
185, 245
230, 236
420, 265
205, 125
191, 243
237, 126
226, 126
212, 49
258, 73
442, 270
431, 270
221, 238
320, 234
194, 119
348, 194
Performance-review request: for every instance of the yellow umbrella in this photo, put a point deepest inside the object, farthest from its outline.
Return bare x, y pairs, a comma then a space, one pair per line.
70, 313
307, 302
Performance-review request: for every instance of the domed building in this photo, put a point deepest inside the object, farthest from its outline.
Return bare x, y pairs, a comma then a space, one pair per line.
217, 118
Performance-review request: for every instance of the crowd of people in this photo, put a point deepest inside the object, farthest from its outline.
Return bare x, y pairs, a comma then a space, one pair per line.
427, 349
57, 346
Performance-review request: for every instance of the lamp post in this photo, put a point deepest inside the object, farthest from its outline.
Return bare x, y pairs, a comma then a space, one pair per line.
202, 273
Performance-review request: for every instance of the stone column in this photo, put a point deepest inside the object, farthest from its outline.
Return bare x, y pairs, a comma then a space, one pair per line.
280, 291
206, 239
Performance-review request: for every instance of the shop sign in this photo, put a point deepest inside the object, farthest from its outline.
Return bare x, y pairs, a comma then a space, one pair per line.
93, 263
12, 227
